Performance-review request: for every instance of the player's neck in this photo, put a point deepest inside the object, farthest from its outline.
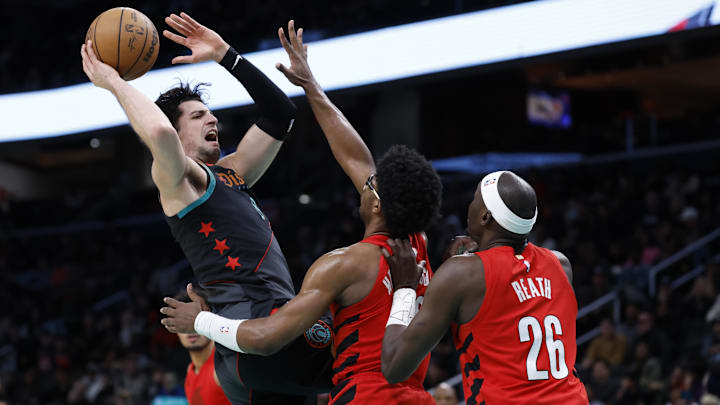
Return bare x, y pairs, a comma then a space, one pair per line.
376, 228
199, 357
495, 240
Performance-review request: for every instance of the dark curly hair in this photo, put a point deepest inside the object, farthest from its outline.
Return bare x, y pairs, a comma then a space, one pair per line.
169, 102
410, 191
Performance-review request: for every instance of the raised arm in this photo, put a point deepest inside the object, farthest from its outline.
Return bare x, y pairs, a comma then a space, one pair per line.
326, 279
147, 120
346, 144
405, 347
263, 140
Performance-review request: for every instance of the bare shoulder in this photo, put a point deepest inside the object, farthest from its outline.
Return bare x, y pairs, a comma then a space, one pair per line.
565, 263
351, 257
461, 269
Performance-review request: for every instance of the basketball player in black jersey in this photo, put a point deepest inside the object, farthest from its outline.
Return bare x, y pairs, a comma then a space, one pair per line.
213, 215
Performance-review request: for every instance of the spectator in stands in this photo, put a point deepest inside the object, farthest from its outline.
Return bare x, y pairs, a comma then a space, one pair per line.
628, 394
170, 391
609, 346
655, 338
603, 387
649, 372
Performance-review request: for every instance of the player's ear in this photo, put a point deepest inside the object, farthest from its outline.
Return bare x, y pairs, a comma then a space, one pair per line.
377, 208
487, 216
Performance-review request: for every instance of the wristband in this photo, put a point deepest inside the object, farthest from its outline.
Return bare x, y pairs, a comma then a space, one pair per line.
219, 329
403, 307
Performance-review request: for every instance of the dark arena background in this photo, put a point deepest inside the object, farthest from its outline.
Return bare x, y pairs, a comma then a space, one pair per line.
608, 108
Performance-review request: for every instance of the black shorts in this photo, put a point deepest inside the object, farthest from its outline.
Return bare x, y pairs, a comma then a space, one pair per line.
302, 368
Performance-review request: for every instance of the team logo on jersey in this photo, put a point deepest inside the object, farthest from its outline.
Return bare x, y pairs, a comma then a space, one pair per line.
225, 330
319, 335
489, 182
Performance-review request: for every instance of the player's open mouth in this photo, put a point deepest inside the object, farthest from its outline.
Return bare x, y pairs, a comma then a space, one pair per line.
212, 136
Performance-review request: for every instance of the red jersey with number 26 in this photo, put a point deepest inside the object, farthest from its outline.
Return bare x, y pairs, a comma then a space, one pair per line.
520, 347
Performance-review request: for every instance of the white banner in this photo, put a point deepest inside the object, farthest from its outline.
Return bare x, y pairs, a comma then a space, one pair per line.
473, 39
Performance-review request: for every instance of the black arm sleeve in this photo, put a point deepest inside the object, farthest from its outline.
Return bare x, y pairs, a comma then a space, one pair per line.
276, 109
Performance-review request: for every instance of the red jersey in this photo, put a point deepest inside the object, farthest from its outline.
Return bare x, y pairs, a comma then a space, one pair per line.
359, 331
520, 347
201, 388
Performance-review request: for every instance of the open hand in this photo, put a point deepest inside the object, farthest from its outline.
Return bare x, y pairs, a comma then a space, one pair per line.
204, 43
181, 315
299, 72
100, 74
404, 268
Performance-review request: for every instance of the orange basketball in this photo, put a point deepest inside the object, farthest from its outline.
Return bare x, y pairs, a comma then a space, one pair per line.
125, 39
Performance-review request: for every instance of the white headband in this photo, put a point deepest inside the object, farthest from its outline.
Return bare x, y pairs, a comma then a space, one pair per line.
502, 214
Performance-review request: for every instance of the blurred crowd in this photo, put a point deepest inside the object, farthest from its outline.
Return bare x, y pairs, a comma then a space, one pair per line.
81, 321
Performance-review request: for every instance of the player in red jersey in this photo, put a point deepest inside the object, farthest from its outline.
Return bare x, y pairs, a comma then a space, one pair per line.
511, 306
201, 383
399, 198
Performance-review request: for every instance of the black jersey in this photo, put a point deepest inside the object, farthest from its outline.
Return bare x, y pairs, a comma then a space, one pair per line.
232, 249
237, 260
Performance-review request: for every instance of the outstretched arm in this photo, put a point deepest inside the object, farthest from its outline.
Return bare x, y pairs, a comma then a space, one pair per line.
146, 118
346, 144
261, 143
325, 280
404, 348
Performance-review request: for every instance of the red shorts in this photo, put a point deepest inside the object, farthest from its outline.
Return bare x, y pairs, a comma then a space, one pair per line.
372, 388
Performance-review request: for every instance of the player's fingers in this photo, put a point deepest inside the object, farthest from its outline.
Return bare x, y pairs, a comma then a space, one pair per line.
409, 247
168, 311
83, 54
172, 21
182, 59
284, 41
91, 52
86, 69
171, 302
194, 297
175, 37
168, 323
305, 50
385, 253
292, 34
300, 37
393, 245
281, 68
190, 20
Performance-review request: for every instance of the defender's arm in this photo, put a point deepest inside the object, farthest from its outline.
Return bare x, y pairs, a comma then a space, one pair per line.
405, 347
326, 279
346, 144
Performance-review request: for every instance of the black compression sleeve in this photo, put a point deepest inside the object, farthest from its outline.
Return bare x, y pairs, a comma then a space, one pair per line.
276, 109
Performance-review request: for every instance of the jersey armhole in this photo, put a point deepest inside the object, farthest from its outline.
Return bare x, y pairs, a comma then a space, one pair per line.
489, 293
204, 197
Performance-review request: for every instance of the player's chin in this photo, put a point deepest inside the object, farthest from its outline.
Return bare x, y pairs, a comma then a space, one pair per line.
212, 152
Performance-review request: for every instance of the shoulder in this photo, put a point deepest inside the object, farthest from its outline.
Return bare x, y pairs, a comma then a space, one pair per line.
565, 263
460, 269
349, 258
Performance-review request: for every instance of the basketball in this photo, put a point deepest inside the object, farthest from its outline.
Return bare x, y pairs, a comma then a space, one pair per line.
125, 39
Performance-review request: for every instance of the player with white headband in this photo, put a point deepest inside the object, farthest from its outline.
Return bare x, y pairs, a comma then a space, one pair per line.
510, 304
